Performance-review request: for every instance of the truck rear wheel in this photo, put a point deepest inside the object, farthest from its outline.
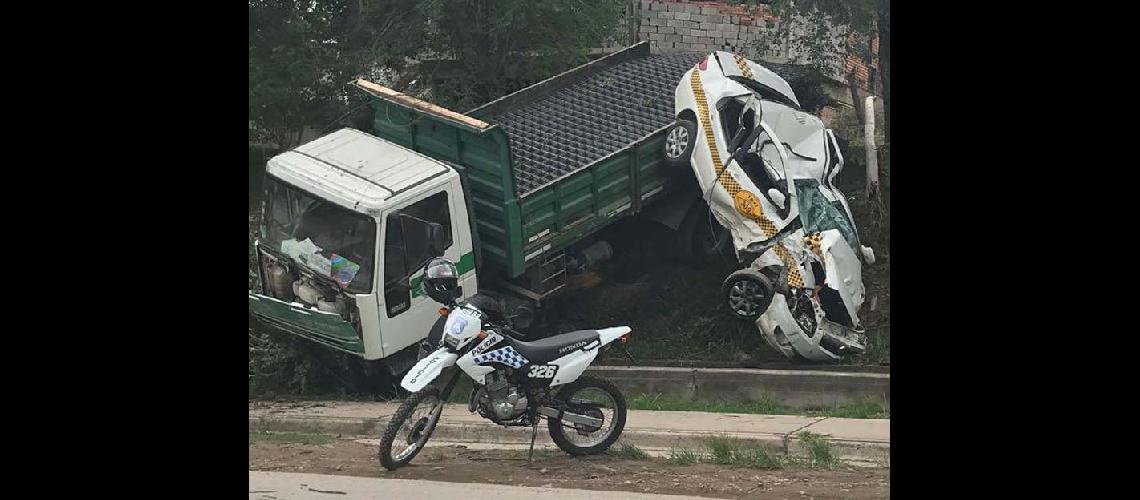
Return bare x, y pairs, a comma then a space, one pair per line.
679, 141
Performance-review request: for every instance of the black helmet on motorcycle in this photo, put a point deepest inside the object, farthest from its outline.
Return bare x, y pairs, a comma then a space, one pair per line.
441, 281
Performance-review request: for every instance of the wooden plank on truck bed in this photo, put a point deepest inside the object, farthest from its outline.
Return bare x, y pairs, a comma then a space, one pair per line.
411, 102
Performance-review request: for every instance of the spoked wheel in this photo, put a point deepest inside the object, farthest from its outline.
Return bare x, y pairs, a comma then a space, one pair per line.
410, 428
592, 397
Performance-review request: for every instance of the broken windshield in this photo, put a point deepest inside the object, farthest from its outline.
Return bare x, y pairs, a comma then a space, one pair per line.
326, 238
821, 210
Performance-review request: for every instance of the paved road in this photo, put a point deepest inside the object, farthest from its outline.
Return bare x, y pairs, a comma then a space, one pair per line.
291, 485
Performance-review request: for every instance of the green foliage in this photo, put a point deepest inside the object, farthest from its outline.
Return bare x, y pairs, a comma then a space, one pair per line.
683, 456
504, 45
730, 451
819, 451
302, 55
809, 90
282, 364
628, 451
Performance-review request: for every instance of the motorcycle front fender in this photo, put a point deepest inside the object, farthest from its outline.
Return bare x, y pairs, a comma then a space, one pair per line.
428, 369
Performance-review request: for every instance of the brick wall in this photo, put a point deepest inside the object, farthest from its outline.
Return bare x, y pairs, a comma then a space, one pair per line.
705, 26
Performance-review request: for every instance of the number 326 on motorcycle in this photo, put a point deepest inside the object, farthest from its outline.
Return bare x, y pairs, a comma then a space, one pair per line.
542, 371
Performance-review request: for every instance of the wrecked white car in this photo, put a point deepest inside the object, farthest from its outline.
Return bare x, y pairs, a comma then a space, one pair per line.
767, 170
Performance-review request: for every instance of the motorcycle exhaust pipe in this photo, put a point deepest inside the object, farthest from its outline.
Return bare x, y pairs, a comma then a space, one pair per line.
573, 418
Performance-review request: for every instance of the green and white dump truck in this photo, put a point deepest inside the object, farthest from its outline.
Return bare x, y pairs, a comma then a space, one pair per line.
514, 192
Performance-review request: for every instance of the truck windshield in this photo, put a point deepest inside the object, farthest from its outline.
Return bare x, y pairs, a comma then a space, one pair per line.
326, 238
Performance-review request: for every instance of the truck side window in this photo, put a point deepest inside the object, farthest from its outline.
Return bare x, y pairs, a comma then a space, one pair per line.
406, 248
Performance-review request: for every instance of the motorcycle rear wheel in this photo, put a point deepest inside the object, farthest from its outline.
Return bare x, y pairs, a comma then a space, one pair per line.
595, 397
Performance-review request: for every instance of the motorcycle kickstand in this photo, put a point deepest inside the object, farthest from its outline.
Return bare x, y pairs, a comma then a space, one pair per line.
533, 435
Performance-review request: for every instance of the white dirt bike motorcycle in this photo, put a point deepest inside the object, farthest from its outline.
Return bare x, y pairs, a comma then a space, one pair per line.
517, 383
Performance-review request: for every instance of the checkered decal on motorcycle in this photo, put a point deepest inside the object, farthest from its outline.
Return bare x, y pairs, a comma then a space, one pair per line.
507, 356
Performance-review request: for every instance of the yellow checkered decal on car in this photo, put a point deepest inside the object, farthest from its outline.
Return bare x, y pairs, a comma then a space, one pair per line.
729, 183
745, 71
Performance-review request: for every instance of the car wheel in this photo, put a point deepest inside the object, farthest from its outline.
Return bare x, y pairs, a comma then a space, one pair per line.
679, 142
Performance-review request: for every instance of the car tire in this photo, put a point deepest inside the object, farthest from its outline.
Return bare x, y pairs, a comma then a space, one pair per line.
747, 293
679, 142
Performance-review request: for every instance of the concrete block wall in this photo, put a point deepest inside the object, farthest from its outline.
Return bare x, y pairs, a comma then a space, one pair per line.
706, 26
703, 26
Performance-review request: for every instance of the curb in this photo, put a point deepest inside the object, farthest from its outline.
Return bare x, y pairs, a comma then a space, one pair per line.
869, 451
798, 389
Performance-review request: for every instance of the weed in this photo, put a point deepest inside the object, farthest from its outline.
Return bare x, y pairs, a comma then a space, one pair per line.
629, 452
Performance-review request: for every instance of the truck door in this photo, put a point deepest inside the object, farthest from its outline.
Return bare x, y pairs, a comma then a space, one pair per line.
406, 313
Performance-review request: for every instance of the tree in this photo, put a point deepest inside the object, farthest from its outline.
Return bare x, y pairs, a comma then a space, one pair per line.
830, 27
303, 53
503, 45
827, 28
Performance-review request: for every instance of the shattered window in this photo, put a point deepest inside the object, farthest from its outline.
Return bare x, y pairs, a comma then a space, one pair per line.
818, 213
326, 238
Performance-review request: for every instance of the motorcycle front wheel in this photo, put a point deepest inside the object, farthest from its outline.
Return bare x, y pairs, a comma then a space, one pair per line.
410, 428
593, 397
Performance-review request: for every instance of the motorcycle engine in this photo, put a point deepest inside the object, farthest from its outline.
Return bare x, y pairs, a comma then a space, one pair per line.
499, 400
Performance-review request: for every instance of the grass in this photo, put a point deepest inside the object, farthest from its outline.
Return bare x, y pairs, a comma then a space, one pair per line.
682, 456
878, 350
819, 451
723, 450
628, 451
291, 437
859, 409
764, 406
729, 451
735, 452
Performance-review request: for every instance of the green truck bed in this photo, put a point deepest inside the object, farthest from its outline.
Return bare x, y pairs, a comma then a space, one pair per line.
559, 159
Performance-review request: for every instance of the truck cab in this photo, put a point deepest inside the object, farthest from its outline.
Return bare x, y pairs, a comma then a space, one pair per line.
348, 222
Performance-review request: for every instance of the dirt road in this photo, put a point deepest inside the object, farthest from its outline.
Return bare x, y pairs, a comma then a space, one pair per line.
553, 469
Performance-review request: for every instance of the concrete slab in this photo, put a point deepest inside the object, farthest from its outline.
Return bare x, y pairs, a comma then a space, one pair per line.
853, 429
852, 439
